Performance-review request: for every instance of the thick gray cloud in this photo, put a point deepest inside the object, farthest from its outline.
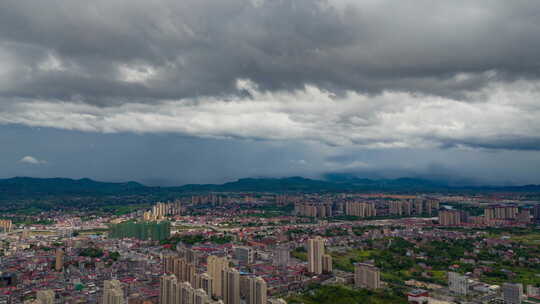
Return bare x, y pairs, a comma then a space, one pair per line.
119, 51
31, 160
386, 75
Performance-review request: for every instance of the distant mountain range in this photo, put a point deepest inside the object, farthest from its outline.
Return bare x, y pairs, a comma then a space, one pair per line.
29, 187
51, 193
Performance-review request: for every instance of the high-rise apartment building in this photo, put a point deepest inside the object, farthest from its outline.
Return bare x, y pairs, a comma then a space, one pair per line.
257, 291
205, 282
113, 293
212, 199
360, 209
230, 279
524, 216
313, 209
449, 218
244, 286
168, 289
45, 296
215, 266
327, 263
512, 293
407, 207
200, 297
173, 291
432, 206
395, 208
244, 255
418, 207
186, 272
183, 270
59, 260
458, 283
191, 256
501, 212
187, 293
167, 262
6, 225
315, 255
282, 200
536, 212
160, 211
366, 275
282, 256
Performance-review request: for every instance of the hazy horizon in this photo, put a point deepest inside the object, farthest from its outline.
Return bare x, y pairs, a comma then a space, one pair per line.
175, 92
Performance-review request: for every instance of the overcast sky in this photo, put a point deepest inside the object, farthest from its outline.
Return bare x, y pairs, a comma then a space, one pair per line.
199, 91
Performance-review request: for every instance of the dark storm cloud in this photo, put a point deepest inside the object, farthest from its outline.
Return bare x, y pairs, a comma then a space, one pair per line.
376, 74
511, 143
454, 166
202, 47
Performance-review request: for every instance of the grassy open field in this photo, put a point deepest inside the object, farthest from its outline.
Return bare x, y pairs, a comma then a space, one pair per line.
531, 239
337, 294
344, 261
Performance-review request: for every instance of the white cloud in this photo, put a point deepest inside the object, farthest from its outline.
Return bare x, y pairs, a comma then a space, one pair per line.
32, 160
52, 63
353, 165
301, 162
136, 73
500, 112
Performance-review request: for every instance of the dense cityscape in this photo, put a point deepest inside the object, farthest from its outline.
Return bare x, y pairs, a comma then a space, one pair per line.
259, 248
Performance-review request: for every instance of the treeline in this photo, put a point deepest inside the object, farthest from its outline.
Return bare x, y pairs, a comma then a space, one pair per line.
192, 239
